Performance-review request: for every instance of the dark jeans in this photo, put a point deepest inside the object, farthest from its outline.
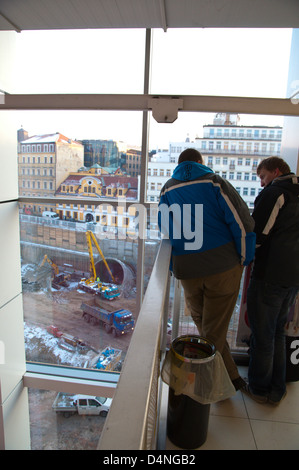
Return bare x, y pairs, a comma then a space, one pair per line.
267, 307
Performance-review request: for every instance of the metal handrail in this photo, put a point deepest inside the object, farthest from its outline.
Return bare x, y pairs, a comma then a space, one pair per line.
132, 419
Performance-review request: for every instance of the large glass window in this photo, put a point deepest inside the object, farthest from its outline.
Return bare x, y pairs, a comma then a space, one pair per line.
79, 222
231, 62
80, 61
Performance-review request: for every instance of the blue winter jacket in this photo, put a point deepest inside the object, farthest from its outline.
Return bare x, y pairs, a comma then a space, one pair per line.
208, 223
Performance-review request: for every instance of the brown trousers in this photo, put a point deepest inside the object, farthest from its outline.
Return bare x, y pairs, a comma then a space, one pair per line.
211, 301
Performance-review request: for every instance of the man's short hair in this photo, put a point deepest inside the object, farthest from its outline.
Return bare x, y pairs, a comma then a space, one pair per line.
190, 155
272, 163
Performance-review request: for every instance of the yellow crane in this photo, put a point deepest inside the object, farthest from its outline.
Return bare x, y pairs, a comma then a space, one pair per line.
53, 265
91, 237
93, 284
59, 279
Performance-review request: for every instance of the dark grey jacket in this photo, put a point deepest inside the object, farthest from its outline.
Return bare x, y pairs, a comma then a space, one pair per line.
276, 215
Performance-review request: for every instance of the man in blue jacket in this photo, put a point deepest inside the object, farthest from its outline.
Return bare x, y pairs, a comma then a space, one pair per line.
212, 239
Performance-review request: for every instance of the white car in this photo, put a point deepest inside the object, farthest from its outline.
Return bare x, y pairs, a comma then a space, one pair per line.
92, 405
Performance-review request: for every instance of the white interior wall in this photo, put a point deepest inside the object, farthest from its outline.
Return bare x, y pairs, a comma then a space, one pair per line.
14, 412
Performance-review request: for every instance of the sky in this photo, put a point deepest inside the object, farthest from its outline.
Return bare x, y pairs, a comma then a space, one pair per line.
223, 62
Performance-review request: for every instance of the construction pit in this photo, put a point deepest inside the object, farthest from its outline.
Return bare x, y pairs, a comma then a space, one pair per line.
45, 306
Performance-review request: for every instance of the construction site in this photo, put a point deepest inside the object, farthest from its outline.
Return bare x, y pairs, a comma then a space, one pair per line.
79, 302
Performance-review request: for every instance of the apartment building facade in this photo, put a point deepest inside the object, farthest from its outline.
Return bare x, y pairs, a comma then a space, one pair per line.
231, 150
106, 185
44, 161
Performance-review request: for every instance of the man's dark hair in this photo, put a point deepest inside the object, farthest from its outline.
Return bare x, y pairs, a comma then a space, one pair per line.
272, 163
190, 155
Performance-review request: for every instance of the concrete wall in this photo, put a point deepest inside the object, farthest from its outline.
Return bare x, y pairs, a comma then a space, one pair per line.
64, 245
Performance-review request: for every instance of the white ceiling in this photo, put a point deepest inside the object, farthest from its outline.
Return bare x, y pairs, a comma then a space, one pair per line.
21, 15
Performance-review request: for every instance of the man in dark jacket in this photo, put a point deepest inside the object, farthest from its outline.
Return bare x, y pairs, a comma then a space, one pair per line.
275, 278
212, 238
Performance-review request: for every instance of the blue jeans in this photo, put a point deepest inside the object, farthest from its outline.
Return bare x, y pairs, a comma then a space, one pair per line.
267, 307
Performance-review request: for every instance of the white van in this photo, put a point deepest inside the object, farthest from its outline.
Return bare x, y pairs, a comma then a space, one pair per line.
50, 214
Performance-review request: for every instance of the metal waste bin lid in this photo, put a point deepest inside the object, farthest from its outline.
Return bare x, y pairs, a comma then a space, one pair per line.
192, 348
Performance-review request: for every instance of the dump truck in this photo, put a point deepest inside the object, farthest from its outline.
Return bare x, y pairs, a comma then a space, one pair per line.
117, 322
68, 405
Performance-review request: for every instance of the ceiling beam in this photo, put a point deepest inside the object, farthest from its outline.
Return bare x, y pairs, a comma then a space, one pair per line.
131, 102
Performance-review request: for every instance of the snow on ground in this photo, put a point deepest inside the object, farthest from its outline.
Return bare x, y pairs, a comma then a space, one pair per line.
44, 347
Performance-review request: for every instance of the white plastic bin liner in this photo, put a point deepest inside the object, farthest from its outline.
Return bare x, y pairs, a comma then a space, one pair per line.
204, 380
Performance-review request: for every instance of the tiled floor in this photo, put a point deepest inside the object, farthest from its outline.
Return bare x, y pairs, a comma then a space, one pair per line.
240, 423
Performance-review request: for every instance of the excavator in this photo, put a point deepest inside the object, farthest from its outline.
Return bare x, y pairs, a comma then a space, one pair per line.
108, 291
59, 279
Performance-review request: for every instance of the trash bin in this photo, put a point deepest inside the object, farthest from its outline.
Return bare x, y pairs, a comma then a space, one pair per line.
188, 419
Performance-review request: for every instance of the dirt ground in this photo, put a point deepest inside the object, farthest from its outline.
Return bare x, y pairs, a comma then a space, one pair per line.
61, 308
51, 431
